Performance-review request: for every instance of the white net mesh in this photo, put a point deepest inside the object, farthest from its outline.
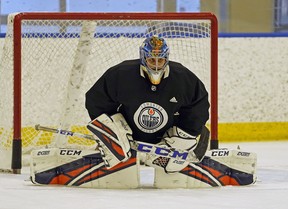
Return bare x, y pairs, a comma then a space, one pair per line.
62, 59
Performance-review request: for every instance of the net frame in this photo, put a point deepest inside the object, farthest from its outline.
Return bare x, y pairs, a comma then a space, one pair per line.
17, 98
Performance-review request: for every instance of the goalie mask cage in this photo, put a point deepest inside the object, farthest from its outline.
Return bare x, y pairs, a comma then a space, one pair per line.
50, 60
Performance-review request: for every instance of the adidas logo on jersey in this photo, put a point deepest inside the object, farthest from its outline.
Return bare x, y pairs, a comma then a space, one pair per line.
173, 99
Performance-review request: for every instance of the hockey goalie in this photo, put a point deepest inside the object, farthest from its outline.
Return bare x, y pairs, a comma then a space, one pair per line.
180, 160
154, 106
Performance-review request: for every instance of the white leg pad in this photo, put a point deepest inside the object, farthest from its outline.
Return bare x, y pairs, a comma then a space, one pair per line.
82, 168
218, 168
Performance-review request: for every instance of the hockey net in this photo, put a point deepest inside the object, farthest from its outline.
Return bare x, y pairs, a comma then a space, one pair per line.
49, 61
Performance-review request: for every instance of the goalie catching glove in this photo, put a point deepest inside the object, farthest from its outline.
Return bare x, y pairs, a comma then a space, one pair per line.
179, 139
112, 134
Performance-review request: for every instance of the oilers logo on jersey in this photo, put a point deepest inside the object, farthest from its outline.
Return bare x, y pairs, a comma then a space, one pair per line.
150, 117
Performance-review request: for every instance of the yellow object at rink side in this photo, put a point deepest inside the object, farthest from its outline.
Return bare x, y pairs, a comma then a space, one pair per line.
252, 131
33, 138
227, 132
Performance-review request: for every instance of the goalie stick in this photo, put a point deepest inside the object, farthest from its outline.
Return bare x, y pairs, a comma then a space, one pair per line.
148, 148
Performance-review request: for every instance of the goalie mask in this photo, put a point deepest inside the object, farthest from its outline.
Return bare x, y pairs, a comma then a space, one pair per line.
154, 57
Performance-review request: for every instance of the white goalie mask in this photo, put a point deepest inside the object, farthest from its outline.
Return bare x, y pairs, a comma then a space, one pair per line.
154, 57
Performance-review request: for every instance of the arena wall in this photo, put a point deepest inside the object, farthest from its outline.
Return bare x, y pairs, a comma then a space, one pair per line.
253, 88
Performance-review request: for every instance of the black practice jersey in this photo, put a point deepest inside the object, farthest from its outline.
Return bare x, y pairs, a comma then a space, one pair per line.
180, 99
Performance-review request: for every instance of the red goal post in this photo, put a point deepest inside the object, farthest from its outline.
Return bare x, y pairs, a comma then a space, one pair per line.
37, 37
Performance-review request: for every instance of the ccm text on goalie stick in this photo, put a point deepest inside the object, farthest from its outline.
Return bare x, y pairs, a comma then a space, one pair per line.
135, 145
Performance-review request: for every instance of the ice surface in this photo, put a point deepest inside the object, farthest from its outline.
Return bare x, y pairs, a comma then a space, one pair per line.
270, 190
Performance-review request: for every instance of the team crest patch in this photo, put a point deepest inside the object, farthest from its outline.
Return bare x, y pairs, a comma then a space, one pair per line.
150, 117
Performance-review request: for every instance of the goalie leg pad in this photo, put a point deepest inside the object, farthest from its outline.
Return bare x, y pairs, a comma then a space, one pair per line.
113, 133
240, 166
218, 168
81, 168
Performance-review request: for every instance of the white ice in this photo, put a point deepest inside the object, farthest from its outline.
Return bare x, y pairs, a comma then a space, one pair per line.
269, 192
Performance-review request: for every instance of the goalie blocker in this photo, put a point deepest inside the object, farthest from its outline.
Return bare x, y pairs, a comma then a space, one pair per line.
112, 133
